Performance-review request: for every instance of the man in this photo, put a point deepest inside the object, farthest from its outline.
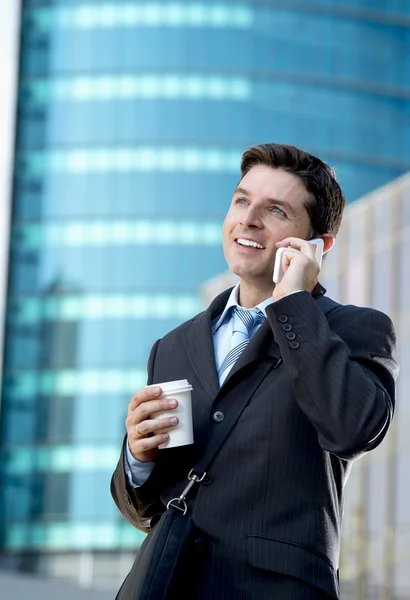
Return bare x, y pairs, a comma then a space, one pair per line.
273, 501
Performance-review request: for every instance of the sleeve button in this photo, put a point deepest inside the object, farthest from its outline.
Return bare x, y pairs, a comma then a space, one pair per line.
287, 327
294, 345
291, 335
282, 318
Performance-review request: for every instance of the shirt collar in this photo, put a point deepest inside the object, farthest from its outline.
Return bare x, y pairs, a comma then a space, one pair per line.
233, 301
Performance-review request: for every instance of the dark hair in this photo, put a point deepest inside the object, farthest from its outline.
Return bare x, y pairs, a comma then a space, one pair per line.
326, 200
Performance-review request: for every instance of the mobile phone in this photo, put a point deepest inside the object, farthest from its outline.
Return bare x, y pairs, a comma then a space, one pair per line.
278, 270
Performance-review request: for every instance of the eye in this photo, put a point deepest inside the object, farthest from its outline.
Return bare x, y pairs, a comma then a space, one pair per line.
241, 201
278, 210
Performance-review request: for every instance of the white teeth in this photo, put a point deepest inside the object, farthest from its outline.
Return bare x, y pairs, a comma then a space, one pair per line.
249, 243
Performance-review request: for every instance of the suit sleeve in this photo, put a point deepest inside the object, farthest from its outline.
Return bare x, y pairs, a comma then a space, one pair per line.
138, 505
343, 369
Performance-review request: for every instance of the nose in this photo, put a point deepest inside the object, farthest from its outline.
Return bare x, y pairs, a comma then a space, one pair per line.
251, 217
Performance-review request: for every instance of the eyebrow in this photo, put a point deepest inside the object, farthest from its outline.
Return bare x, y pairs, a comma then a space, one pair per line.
241, 190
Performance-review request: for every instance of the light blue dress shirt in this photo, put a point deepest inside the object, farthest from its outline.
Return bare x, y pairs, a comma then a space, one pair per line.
138, 472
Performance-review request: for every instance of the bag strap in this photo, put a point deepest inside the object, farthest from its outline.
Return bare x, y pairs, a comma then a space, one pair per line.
238, 405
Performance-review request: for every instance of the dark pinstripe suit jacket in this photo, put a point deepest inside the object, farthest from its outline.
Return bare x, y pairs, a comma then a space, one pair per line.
275, 503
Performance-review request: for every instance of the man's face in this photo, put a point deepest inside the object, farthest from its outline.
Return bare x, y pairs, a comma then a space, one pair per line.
267, 207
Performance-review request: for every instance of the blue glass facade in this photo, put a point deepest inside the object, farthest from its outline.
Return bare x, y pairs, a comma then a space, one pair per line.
132, 117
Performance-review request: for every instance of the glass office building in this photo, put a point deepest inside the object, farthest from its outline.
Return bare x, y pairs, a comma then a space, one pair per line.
131, 120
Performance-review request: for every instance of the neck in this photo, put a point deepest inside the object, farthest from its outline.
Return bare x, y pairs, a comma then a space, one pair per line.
251, 295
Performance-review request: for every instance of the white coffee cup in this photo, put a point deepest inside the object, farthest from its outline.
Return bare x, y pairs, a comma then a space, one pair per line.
181, 434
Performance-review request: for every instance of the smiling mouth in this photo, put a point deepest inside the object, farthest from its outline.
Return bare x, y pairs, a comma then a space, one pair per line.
249, 244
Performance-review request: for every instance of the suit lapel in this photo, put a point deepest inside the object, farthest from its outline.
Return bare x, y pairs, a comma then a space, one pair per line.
200, 344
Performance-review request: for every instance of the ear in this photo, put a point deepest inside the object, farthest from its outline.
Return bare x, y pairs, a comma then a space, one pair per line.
329, 241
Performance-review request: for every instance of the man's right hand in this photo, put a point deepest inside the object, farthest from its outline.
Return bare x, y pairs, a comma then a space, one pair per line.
143, 432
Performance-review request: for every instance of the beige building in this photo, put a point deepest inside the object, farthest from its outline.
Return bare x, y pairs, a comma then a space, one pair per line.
370, 266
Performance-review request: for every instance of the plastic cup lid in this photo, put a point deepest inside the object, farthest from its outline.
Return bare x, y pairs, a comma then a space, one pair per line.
181, 385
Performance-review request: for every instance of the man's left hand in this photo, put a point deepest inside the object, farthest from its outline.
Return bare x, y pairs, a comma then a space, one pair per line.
300, 268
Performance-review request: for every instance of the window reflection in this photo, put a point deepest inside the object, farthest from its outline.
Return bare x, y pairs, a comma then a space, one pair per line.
61, 459
122, 269
25, 384
69, 536
355, 119
103, 233
108, 87
147, 14
147, 158
95, 343
72, 308
90, 416
238, 33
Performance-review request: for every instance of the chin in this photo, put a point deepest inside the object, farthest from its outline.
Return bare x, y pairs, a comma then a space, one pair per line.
238, 268
251, 276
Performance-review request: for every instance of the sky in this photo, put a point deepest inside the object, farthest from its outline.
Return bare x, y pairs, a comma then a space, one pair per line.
9, 24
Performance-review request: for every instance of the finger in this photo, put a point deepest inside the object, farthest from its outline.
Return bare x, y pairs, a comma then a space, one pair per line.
288, 255
291, 253
149, 443
303, 246
289, 241
144, 395
147, 409
154, 426
293, 242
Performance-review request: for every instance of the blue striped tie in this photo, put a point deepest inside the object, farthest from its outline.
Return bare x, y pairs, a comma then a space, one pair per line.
244, 322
